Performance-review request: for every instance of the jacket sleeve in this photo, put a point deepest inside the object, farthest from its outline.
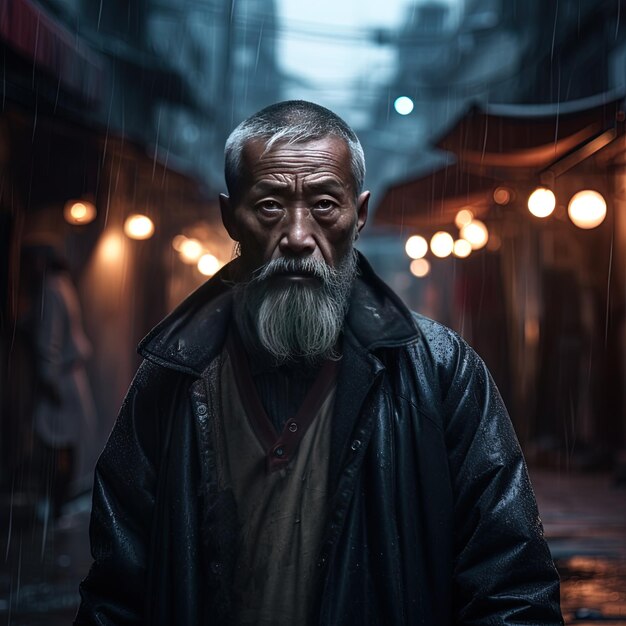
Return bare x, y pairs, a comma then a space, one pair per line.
113, 593
503, 571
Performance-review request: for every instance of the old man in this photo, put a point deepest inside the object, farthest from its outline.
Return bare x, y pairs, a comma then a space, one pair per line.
299, 448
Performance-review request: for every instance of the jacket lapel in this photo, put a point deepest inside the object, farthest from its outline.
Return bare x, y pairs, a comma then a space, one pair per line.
357, 373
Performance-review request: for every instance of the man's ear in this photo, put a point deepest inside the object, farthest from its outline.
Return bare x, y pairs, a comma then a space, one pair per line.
227, 217
362, 208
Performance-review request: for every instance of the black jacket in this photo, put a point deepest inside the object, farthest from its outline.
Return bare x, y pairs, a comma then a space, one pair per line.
433, 518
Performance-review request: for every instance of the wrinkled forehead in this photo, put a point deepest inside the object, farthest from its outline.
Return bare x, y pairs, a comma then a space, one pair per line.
326, 156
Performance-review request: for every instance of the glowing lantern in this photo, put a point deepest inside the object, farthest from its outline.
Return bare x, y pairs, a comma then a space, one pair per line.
208, 265
190, 251
587, 209
79, 212
463, 218
476, 233
442, 244
416, 247
541, 202
462, 248
138, 227
420, 267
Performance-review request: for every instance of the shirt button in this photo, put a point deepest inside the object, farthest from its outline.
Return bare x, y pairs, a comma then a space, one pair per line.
279, 452
293, 427
356, 444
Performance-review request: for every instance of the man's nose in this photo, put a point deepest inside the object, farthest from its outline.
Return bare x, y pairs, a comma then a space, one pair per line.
297, 238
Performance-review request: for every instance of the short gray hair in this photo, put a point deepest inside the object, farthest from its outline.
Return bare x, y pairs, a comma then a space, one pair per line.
292, 121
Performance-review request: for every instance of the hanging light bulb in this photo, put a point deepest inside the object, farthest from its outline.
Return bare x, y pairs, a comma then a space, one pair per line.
178, 241
476, 233
190, 251
138, 227
79, 213
462, 248
442, 244
587, 209
420, 267
463, 218
416, 247
541, 202
501, 195
208, 264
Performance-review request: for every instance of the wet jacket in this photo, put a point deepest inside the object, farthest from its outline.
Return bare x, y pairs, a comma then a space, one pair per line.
433, 520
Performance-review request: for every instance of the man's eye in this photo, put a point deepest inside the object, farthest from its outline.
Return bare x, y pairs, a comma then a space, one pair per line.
269, 207
325, 205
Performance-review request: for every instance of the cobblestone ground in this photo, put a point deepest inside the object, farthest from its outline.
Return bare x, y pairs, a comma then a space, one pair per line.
584, 518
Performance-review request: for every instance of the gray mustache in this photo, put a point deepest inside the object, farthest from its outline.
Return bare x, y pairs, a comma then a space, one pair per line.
314, 267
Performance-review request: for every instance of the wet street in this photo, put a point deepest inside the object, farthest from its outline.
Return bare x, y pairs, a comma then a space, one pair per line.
584, 518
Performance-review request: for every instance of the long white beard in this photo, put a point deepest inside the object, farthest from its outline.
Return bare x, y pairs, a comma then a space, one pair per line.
300, 320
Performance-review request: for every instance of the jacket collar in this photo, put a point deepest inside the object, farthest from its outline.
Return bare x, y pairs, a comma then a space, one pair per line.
190, 337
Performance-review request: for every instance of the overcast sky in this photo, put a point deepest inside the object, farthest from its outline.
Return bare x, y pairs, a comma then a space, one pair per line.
327, 46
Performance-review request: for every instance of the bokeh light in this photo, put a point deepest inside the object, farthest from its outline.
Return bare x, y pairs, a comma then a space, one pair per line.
463, 218
110, 247
416, 247
541, 202
190, 251
403, 105
462, 248
587, 209
178, 241
476, 233
138, 227
208, 264
442, 244
419, 267
79, 212
501, 195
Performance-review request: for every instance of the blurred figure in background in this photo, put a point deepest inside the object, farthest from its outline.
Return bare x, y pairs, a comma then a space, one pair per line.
63, 409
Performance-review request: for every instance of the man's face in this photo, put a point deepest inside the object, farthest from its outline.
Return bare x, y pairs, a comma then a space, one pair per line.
296, 201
